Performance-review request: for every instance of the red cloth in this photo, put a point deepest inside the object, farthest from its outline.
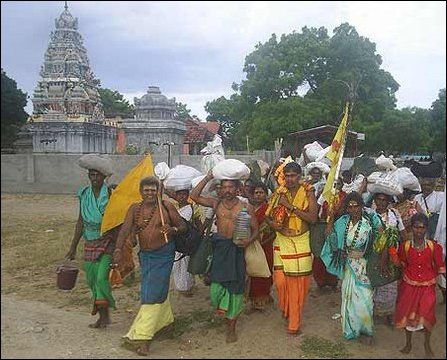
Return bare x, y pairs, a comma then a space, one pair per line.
260, 287
421, 267
416, 299
321, 276
415, 305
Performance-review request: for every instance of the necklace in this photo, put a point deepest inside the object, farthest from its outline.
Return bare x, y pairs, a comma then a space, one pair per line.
141, 223
231, 207
356, 233
419, 246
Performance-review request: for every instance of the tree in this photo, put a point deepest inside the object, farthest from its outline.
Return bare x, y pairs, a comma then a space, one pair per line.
13, 115
183, 113
438, 120
114, 104
298, 82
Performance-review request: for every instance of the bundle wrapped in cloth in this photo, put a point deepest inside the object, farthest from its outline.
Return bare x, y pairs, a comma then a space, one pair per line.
180, 177
231, 169
384, 183
96, 162
213, 154
406, 179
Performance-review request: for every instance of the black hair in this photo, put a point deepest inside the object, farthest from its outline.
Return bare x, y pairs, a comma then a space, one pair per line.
150, 180
237, 183
256, 185
353, 196
388, 197
292, 166
419, 217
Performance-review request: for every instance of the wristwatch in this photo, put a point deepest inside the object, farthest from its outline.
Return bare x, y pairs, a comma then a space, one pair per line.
294, 208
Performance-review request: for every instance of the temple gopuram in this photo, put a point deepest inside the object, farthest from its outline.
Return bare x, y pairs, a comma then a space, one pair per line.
67, 110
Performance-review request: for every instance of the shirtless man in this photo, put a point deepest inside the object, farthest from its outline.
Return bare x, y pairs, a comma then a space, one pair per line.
156, 259
228, 264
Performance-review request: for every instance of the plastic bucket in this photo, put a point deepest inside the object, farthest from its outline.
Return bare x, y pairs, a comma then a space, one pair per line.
66, 276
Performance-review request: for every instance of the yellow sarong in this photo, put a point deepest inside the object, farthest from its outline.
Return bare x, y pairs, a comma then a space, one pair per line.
150, 319
292, 254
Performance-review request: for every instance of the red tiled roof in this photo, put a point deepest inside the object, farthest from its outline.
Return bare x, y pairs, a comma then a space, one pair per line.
212, 126
197, 132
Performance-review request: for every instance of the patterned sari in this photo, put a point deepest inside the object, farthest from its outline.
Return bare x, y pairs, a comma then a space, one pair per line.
357, 293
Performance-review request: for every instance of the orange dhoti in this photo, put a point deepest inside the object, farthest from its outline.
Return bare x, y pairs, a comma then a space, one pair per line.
293, 266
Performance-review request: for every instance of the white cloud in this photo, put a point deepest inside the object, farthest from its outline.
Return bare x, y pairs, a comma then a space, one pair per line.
410, 37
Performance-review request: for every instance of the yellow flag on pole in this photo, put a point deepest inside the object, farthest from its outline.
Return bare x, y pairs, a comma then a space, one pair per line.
335, 154
125, 194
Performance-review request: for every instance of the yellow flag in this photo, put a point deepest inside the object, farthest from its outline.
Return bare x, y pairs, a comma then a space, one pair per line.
125, 194
335, 154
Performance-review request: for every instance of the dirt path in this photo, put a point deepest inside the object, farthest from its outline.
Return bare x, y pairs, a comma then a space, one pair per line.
39, 321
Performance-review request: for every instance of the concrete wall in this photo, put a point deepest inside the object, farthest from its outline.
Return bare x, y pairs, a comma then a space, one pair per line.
60, 173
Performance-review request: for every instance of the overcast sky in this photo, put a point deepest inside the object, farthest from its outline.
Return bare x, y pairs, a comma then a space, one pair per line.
194, 51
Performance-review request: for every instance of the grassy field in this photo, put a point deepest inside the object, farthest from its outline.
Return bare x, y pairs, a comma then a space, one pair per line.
36, 234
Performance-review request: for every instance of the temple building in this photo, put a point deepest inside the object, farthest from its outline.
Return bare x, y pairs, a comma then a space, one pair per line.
155, 124
67, 110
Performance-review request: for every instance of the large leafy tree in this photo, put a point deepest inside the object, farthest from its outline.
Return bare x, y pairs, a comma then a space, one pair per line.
298, 81
438, 120
13, 115
115, 104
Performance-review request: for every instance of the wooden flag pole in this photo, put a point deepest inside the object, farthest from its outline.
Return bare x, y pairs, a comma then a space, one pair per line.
160, 209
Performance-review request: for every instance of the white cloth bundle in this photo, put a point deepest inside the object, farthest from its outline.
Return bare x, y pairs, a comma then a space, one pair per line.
96, 162
384, 183
406, 179
317, 164
384, 163
161, 170
213, 154
231, 169
180, 177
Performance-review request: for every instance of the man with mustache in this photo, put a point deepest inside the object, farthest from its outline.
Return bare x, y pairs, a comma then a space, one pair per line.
228, 264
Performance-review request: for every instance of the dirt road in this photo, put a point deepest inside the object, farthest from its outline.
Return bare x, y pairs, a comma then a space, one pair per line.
40, 321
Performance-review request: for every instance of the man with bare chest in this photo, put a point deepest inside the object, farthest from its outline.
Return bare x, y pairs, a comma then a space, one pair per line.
156, 259
228, 264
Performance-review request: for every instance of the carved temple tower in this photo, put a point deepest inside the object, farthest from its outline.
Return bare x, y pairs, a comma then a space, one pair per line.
67, 110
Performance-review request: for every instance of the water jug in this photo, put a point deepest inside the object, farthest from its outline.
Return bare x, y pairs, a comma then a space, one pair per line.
242, 226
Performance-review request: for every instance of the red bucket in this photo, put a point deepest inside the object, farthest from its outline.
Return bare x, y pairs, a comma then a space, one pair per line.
66, 276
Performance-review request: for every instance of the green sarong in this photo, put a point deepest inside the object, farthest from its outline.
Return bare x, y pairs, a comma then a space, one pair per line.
225, 302
97, 273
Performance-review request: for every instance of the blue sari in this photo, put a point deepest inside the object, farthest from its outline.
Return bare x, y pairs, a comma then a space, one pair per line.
357, 293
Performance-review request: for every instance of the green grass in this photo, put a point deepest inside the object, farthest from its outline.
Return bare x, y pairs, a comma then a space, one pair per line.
194, 320
318, 347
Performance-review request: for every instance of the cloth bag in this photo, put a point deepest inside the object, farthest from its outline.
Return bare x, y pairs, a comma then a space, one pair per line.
256, 263
200, 261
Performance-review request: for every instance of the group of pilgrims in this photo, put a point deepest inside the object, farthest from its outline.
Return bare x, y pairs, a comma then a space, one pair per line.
379, 241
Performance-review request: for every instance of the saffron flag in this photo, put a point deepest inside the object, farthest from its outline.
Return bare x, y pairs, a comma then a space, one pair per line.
125, 194
335, 155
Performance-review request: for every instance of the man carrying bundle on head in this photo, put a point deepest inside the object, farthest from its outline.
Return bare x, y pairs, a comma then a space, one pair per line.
228, 263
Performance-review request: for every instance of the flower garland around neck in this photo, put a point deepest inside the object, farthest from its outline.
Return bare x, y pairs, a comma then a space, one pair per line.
141, 223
